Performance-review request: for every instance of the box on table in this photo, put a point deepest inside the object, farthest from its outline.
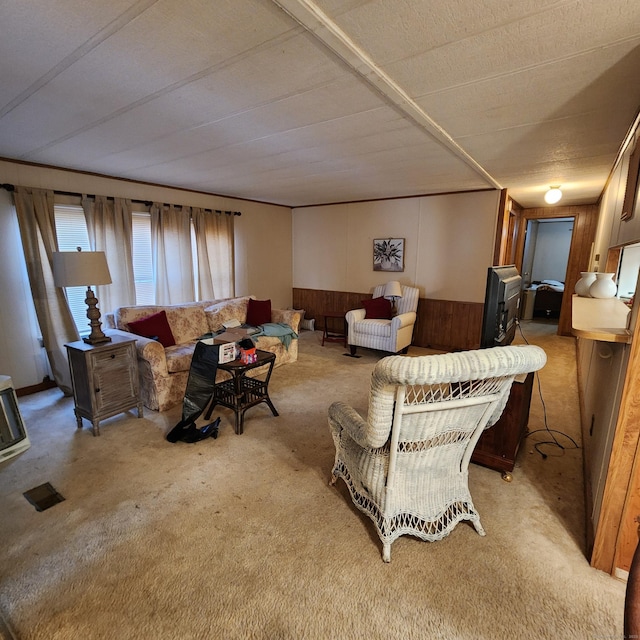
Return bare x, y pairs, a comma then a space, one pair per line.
228, 348
227, 336
228, 352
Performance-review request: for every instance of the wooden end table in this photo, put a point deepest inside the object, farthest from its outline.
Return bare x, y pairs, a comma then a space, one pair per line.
329, 335
240, 392
105, 379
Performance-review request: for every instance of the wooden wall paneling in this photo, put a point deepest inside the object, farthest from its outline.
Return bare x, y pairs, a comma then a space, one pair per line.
515, 220
441, 324
502, 229
448, 325
316, 301
613, 261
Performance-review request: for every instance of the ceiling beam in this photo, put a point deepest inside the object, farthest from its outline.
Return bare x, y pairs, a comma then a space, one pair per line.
316, 22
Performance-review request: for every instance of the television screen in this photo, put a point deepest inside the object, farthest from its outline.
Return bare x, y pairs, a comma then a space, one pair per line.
501, 304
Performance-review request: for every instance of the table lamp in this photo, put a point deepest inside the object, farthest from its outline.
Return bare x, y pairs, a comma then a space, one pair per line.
393, 290
84, 268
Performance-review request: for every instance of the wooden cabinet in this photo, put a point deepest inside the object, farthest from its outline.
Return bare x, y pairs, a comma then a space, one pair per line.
104, 378
609, 385
602, 367
498, 446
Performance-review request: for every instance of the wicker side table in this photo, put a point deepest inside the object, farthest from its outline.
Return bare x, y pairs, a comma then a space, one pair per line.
240, 392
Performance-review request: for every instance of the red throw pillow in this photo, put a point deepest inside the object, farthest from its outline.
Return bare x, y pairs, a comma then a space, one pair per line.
377, 308
155, 326
258, 312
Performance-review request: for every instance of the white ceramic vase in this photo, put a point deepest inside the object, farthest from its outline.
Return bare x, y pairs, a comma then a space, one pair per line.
604, 286
584, 284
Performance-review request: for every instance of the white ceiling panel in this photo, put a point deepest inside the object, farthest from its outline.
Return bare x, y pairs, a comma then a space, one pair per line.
39, 35
564, 89
300, 102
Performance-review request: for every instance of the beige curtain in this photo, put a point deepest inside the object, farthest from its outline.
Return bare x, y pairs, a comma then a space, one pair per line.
34, 208
171, 252
215, 243
109, 227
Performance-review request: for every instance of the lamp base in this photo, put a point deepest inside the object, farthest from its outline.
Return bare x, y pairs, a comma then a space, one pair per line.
93, 313
96, 340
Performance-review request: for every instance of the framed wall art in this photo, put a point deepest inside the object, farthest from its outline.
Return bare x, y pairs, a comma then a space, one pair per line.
388, 254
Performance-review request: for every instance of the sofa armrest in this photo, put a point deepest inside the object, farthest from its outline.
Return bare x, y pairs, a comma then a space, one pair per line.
403, 320
287, 316
147, 349
355, 315
153, 352
109, 320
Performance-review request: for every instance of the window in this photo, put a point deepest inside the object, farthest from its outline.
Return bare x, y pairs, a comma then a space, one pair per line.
142, 262
71, 231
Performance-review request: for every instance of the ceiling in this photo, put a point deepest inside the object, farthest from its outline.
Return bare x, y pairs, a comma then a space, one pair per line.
300, 102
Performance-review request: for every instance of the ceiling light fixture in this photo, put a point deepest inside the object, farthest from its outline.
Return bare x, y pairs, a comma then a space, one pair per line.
553, 195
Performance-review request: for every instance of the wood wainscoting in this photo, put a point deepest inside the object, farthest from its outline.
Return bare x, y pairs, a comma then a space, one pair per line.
441, 324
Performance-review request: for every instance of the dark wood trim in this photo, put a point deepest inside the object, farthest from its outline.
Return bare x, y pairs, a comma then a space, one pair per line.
408, 197
47, 383
140, 182
502, 229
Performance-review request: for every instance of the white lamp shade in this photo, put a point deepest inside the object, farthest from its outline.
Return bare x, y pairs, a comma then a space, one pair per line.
80, 268
393, 290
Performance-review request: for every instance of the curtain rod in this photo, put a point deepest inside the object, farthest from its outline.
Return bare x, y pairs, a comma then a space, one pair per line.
147, 203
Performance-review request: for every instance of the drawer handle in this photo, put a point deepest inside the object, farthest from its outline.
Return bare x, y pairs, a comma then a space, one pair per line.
113, 355
97, 390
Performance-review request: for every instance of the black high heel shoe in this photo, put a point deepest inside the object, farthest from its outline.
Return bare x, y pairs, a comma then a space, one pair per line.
211, 430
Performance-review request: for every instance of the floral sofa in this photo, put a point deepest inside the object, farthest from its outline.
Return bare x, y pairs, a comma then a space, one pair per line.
164, 370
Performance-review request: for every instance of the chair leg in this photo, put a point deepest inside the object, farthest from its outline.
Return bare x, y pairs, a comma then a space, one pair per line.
386, 551
352, 348
332, 480
478, 527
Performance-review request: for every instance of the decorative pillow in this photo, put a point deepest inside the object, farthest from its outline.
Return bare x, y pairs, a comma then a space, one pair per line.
155, 326
232, 309
377, 308
258, 312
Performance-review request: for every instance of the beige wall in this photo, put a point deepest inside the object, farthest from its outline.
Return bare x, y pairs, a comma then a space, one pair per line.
263, 254
448, 244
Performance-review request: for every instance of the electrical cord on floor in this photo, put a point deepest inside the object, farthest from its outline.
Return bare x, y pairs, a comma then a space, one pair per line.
554, 440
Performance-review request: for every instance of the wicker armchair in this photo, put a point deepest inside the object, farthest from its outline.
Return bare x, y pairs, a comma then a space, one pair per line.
406, 465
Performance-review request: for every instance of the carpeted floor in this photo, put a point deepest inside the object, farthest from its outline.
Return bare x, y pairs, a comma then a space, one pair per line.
241, 537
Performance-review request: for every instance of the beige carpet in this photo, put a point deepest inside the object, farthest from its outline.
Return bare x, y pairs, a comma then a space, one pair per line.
241, 537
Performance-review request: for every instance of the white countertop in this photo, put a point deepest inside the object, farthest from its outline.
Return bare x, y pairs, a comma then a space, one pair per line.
600, 319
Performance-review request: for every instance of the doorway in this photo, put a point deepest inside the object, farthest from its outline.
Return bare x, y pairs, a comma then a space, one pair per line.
544, 267
585, 220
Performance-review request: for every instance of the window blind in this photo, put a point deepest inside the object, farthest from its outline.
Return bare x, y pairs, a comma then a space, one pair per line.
71, 231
